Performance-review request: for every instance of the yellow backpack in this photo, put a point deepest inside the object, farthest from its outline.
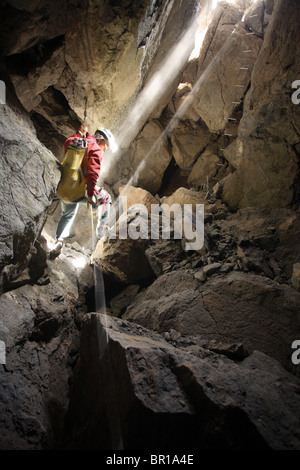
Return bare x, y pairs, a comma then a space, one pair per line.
72, 184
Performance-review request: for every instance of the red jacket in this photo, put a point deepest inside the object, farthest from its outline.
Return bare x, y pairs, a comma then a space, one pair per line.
91, 163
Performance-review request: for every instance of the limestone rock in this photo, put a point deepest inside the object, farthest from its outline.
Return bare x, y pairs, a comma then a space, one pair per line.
43, 77
188, 141
17, 318
131, 195
269, 6
223, 81
204, 169
67, 63
173, 313
254, 259
98, 73
273, 230
29, 176
223, 311
127, 377
150, 155
47, 27
234, 153
254, 18
221, 308
38, 326
121, 255
267, 162
210, 269
123, 260
174, 39
163, 255
184, 196
178, 106
219, 30
119, 303
234, 351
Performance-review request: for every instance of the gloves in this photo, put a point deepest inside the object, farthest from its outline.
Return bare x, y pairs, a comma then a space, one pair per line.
91, 200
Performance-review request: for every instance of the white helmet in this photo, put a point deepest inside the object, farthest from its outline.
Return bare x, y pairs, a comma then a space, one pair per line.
108, 136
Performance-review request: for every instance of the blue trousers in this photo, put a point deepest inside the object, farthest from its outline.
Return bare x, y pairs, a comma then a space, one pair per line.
69, 211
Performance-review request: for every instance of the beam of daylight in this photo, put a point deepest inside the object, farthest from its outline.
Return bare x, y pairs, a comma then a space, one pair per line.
173, 122
178, 115
157, 86
152, 92
154, 89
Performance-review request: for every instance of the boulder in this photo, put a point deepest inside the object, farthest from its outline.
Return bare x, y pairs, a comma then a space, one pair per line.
225, 17
232, 307
120, 302
164, 255
188, 141
121, 255
135, 390
130, 195
123, 261
254, 258
150, 155
205, 168
184, 196
254, 18
177, 107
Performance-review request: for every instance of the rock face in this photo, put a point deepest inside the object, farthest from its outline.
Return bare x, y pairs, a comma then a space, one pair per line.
214, 293
39, 326
143, 342
136, 390
57, 56
245, 265
266, 147
64, 80
29, 176
224, 120
220, 309
220, 78
151, 156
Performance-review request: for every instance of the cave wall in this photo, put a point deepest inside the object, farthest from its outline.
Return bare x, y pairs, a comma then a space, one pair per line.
29, 177
207, 125
231, 121
266, 151
86, 60
73, 55
60, 63
133, 68
55, 77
